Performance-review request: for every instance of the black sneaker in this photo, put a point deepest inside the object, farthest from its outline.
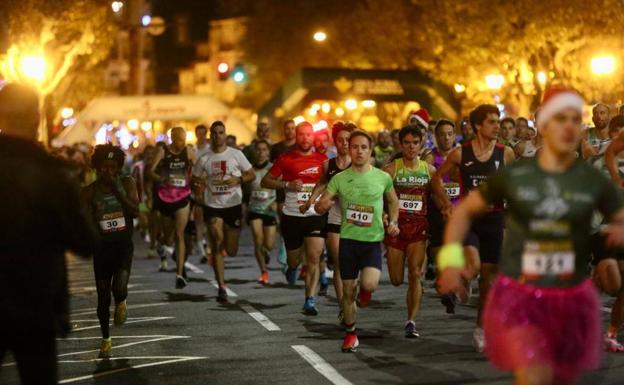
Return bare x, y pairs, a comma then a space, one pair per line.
180, 282
450, 302
222, 295
203, 260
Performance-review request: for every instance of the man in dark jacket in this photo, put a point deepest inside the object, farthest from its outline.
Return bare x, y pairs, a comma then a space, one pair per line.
40, 219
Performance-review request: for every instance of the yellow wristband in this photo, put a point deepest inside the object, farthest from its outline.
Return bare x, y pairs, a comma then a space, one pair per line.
451, 255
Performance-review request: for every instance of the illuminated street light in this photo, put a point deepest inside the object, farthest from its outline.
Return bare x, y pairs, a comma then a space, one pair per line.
298, 119
603, 65
319, 36
459, 88
368, 103
146, 20
146, 125
351, 104
33, 67
223, 68
67, 112
117, 6
339, 111
494, 81
326, 108
133, 124
541, 78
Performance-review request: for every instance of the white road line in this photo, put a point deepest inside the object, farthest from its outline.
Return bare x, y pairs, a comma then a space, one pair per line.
320, 365
117, 337
146, 319
97, 320
230, 293
130, 307
193, 268
142, 291
100, 374
93, 288
261, 318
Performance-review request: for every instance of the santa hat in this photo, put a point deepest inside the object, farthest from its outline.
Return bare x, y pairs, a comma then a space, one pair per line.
558, 98
422, 115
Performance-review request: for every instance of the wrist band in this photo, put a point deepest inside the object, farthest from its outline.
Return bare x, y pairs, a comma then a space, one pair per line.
451, 255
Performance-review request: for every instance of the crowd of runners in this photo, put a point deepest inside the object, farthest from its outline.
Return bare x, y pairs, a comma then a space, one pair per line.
531, 209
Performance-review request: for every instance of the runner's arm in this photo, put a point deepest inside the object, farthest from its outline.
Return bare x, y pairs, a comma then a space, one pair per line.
392, 202
130, 200
319, 188
325, 203
151, 172
452, 160
509, 155
613, 150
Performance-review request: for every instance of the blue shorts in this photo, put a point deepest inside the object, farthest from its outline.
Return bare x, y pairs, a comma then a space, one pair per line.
353, 256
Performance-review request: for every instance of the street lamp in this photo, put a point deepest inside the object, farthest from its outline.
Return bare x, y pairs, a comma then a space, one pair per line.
33, 67
541, 78
603, 65
494, 81
459, 88
116, 6
319, 36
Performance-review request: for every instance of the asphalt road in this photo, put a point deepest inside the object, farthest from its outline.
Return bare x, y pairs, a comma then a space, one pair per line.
260, 337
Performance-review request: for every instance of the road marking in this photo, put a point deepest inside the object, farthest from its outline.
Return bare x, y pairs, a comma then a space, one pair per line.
130, 307
142, 291
230, 293
320, 365
261, 318
100, 374
145, 319
193, 268
73, 290
117, 337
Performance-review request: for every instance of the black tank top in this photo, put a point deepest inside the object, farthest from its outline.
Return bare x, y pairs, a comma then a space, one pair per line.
174, 163
472, 172
333, 169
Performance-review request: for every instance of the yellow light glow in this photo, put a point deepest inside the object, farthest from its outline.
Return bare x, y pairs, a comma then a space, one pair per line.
603, 65
115, 123
339, 111
315, 106
320, 125
133, 124
190, 137
494, 81
542, 77
459, 88
299, 119
351, 104
33, 67
117, 5
135, 144
146, 126
320, 36
312, 112
326, 108
368, 103
67, 112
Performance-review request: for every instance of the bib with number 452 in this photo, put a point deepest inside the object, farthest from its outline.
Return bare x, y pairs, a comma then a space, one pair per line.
542, 259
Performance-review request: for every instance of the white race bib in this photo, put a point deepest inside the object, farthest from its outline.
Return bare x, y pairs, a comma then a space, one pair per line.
410, 203
548, 258
305, 193
178, 182
360, 215
260, 195
452, 190
220, 189
113, 224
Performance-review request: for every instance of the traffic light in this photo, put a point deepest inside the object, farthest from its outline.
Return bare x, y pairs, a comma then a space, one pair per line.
223, 69
239, 74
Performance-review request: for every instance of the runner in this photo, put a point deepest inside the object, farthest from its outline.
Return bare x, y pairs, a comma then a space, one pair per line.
361, 189
112, 202
383, 150
475, 161
411, 178
220, 174
542, 316
508, 132
172, 198
340, 133
298, 171
445, 138
202, 147
596, 139
526, 147
262, 211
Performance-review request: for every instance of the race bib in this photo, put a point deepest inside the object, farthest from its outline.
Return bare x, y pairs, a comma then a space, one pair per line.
177, 181
547, 259
220, 189
360, 215
260, 195
410, 203
452, 190
305, 193
114, 222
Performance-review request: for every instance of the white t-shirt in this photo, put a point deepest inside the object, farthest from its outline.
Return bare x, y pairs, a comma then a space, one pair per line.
217, 168
201, 151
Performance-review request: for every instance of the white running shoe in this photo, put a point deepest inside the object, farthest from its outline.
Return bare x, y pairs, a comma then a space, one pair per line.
478, 340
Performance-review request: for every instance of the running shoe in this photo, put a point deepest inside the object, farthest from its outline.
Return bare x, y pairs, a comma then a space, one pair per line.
264, 278
203, 260
350, 343
163, 265
222, 295
410, 330
160, 250
106, 348
450, 301
363, 298
180, 282
121, 313
309, 306
478, 340
612, 344
291, 276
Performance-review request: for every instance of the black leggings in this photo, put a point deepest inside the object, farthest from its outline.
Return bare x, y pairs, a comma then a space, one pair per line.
112, 264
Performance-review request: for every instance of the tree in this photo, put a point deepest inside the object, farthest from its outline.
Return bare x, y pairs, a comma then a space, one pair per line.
454, 42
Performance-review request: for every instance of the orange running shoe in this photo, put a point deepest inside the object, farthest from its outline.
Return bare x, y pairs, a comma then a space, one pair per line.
264, 278
350, 343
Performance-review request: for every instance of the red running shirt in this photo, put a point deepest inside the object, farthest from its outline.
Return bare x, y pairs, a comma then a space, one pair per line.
292, 166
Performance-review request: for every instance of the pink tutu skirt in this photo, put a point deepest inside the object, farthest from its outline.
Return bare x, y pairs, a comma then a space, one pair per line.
526, 325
